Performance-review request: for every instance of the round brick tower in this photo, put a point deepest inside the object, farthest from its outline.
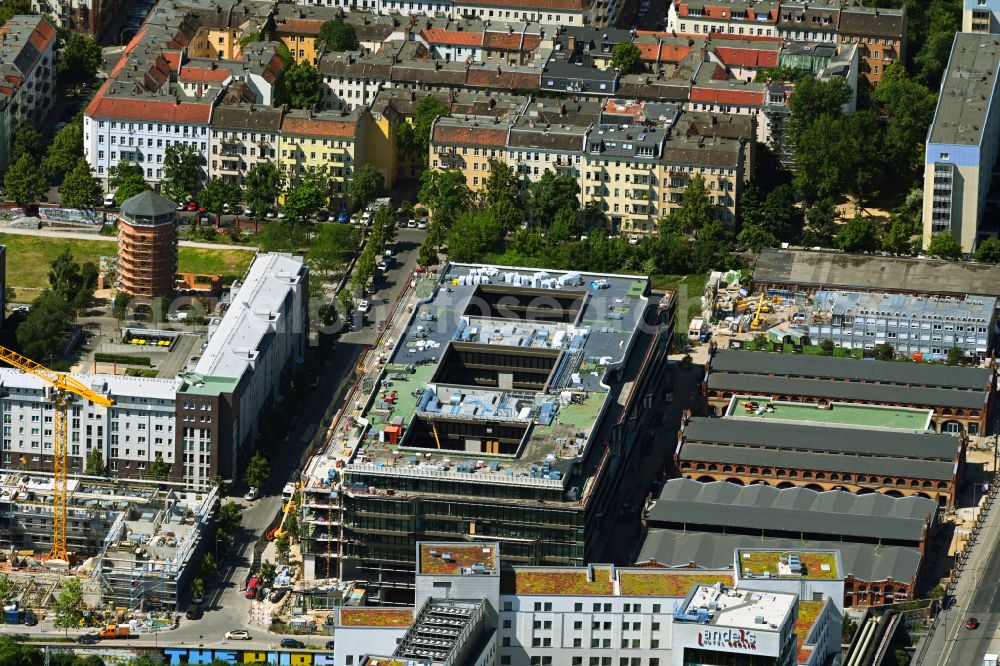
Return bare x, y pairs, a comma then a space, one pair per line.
147, 246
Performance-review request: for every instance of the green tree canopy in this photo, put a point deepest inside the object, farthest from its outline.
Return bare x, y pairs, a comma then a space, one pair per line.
859, 234
473, 235
626, 58
121, 172
282, 236
300, 86
262, 184
945, 246
79, 59
414, 139
27, 140
909, 107
95, 464
24, 182
79, 188
898, 239
303, 200
989, 251
696, 210
445, 193
754, 238
331, 247
183, 172
258, 470
367, 185
68, 605
129, 187
337, 35
65, 151
158, 470
219, 193
552, 193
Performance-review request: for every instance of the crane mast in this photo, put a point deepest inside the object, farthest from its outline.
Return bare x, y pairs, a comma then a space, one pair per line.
64, 388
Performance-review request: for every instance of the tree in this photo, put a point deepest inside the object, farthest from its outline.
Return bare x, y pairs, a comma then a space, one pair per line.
65, 151
550, 194
989, 251
119, 306
910, 108
303, 200
40, 335
218, 194
827, 346
230, 517
565, 226
473, 235
754, 238
130, 187
301, 86
79, 59
367, 185
860, 234
331, 247
14, 651
427, 254
955, 356
337, 35
283, 236
267, 571
198, 588
79, 188
885, 352
258, 471
64, 276
183, 172
158, 470
696, 210
813, 99
6, 589
945, 246
445, 193
121, 172
282, 548
262, 184
24, 182
68, 606
95, 464
626, 58
760, 341
27, 141
898, 239
942, 20
415, 139
208, 567
711, 247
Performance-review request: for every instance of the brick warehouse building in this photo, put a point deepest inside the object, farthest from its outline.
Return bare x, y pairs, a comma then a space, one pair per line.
861, 460
960, 398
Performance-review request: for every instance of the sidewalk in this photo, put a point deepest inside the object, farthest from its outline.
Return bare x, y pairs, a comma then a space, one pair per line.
84, 236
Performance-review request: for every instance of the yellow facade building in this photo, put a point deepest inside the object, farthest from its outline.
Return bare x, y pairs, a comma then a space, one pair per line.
330, 141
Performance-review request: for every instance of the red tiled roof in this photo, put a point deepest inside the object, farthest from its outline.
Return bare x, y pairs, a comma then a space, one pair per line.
173, 59
661, 52
452, 37
502, 40
719, 74
619, 107
736, 57
725, 12
319, 127
203, 74
148, 110
507, 80
725, 96
299, 26
495, 137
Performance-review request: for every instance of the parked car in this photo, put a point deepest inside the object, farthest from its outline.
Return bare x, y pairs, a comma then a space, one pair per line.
411, 224
192, 205
194, 612
252, 586
329, 645
109, 200
88, 639
422, 224
363, 307
238, 635
382, 266
251, 494
972, 623
292, 643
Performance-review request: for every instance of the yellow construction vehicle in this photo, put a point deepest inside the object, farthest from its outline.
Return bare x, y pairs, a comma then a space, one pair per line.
64, 388
289, 507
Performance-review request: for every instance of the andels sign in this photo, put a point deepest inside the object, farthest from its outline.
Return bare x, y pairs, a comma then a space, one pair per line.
728, 639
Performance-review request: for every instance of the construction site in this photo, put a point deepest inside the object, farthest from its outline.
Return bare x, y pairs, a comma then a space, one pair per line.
134, 544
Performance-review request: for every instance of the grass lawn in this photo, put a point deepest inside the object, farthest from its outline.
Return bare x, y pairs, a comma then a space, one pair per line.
29, 257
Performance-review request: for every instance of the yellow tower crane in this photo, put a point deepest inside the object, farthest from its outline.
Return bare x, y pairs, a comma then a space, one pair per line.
63, 388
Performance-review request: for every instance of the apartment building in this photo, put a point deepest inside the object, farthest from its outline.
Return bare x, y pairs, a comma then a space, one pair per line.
981, 16
200, 424
468, 147
28, 88
508, 427
329, 140
352, 79
925, 326
241, 137
735, 17
962, 144
815, 21
880, 35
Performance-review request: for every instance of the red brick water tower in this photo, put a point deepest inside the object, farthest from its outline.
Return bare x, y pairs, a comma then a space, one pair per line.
147, 246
